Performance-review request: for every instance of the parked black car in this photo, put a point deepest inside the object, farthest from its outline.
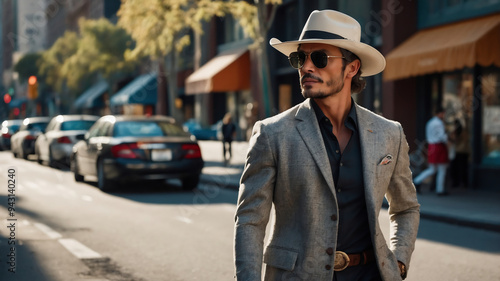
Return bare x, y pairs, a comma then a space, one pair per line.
23, 142
8, 128
119, 149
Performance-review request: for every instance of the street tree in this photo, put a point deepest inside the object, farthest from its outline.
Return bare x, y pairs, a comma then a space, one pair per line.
27, 66
100, 53
256, 20
53, 59
161, 30
76, 60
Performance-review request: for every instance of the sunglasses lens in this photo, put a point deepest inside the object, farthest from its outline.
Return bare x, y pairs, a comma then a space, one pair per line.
320, 59
297, 59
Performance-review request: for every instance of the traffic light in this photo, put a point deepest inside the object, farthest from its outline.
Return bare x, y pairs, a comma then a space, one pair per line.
32, 88
7, 98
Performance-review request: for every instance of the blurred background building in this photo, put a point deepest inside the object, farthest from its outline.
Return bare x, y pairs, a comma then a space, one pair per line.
444, 52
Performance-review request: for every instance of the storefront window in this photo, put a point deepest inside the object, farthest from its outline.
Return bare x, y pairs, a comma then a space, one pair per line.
490, 82
457, 100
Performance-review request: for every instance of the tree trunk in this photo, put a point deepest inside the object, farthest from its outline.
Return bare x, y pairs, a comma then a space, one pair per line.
172, 87
265, 77
161, 92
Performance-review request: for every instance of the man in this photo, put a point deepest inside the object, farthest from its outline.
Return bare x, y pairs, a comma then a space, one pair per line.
437, 152
228, 131
326, 165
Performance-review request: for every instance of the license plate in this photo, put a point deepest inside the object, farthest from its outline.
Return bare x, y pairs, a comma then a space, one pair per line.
161, 155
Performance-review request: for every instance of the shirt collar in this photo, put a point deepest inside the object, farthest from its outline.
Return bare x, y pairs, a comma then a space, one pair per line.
350, 122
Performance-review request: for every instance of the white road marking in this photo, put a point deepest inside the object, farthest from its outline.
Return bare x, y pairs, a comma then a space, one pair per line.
78, 249
48, 231
184, 219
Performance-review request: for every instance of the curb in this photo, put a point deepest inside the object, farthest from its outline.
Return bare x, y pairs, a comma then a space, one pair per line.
461, 222
232, 184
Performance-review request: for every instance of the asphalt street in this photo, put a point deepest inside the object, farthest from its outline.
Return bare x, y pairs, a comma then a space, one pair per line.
72, 231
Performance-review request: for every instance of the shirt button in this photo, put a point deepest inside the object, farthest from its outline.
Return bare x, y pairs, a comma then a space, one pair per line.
333, 217
337, 151
328, 267
341, 164
329, 251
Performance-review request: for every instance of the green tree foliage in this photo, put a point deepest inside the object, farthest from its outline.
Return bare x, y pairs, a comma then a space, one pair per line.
53, 59
256, 19
161, 30
100, 51
160, 27
76, 59
27, 66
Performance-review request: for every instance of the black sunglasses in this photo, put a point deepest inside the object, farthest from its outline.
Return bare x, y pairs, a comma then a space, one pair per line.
319, 58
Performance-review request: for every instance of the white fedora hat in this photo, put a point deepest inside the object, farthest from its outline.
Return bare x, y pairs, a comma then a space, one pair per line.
337, 29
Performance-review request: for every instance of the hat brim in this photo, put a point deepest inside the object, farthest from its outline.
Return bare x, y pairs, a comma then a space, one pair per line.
372, 61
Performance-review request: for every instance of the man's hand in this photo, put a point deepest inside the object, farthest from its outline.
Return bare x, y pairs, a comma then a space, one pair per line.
402, 270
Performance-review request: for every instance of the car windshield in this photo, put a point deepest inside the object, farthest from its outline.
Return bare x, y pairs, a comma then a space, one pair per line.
147, 129
14, 128
37, 126
76, 125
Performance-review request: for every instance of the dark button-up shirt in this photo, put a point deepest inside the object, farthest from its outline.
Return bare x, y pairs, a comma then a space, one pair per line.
347, 170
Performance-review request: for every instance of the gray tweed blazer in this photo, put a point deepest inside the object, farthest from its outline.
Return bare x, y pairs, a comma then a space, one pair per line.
287, 165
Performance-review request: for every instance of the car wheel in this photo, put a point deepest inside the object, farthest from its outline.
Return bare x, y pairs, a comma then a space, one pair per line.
74, 168
37, 154
52, 162
102, 183
23, 154
190, 183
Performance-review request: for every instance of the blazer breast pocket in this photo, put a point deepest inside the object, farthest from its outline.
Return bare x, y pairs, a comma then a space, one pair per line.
280, 258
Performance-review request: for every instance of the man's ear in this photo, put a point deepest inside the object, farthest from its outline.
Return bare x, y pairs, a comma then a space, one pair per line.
352, 68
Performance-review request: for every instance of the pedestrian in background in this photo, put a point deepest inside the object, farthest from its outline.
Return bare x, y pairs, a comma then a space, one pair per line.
326, 165
228, 132
437, 152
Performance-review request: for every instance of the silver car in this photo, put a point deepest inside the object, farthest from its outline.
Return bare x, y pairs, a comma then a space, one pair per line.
55, 145
8, 128
22, 143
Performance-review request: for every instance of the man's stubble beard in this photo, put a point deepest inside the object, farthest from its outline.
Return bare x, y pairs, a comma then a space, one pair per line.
335, 85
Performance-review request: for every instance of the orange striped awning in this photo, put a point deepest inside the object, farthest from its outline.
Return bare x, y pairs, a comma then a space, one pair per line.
446, 48
228, 71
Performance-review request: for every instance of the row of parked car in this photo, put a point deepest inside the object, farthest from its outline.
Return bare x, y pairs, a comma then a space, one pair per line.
115, 149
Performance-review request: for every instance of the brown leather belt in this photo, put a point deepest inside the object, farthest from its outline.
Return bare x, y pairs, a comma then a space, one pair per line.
344, 260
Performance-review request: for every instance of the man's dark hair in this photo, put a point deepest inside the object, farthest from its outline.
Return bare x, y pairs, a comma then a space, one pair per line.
357, 83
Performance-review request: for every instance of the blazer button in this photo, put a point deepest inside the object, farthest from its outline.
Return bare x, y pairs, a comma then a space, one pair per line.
329, 251
328, 267
334, 217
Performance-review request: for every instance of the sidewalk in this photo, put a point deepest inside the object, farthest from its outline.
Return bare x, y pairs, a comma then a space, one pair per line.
467, 207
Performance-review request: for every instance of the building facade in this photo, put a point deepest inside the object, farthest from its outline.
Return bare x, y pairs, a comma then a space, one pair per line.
447, 55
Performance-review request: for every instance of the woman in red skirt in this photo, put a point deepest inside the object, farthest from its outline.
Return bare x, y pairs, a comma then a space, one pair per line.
437, 152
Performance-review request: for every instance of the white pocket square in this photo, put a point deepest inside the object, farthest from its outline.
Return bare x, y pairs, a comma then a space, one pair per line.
386, 160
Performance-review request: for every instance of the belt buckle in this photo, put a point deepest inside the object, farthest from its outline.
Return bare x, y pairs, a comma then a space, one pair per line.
341, 261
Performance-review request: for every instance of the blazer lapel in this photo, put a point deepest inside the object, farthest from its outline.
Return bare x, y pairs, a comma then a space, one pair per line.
308, 128
368, 133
